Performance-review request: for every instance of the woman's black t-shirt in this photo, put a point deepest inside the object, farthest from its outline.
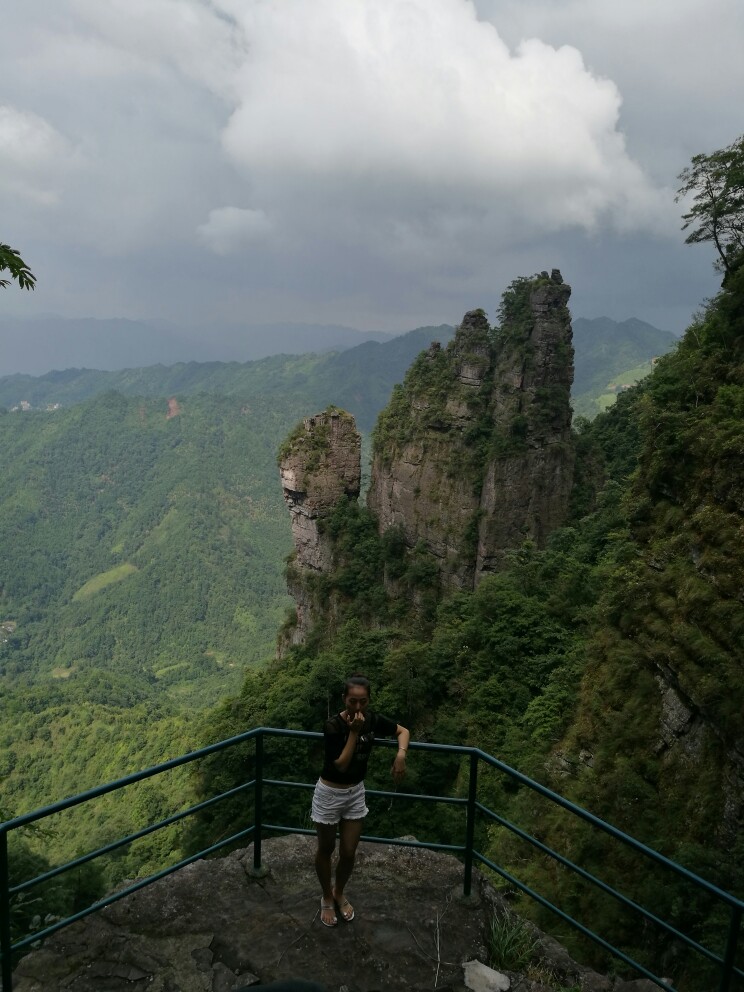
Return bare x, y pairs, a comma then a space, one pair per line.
336, 733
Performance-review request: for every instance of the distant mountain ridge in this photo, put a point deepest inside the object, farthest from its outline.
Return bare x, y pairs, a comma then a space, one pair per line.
35, 345
603, 345
358, 378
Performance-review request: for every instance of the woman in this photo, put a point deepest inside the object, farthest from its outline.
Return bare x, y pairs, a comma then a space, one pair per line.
339, 798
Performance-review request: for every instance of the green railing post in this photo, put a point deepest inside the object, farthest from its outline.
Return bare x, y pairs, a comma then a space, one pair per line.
470, 824
729, 973
5, 941
730, 956
258, 804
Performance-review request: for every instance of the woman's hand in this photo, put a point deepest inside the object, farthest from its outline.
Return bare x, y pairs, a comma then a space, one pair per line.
356, 723
398, 770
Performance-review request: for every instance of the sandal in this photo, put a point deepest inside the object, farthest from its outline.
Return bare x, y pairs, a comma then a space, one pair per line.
327, 907
345, 908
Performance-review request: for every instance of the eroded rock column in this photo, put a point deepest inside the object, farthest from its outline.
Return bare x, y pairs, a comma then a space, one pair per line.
319, 463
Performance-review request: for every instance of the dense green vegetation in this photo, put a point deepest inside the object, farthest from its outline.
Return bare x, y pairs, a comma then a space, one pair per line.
141, 583
554, 663
142, 563
358, 380
610, 352
12, 263
142, 572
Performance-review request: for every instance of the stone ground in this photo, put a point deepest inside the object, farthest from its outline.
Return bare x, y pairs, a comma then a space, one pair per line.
214, 927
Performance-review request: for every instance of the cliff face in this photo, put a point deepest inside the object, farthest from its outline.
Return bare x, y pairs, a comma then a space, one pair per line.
669, 656
424, 478
473, 455
319, 464
526, 491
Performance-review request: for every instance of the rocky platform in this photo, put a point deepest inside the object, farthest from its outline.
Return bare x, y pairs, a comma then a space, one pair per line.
216, 927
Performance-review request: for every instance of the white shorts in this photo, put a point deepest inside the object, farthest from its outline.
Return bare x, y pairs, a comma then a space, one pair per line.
331, 805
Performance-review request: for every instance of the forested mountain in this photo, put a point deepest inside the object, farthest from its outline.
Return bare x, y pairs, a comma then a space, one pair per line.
142, 544
607, 664
610, 356
360, 378
142, 552
34, 345
605, 347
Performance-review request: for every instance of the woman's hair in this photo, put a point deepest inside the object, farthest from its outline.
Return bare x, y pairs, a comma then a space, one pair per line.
359, 680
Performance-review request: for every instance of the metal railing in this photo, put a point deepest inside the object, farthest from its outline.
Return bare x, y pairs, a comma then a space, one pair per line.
473, 809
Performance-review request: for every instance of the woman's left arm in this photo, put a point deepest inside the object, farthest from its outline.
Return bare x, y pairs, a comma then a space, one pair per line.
399, 765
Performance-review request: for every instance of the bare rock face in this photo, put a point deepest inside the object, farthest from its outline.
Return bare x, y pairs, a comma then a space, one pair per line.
320, 462
474, 454
526, 491
422, 477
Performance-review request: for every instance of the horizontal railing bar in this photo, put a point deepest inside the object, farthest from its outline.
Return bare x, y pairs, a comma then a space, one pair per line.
102, 790
574, 923
609, 829
385, 741
96, 907
461, 750
397, 842
289, 785
127, 840
566, 862
452, 800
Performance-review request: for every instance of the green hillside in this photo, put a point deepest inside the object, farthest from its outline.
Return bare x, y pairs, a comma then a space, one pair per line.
563, 663
590, 404
359, 379
610, 355
143, 554
142, 557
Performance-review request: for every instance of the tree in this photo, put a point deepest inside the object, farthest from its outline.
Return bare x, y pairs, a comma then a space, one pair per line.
716, 182
11, 261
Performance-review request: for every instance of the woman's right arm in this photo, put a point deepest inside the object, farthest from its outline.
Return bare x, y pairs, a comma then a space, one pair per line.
356, 726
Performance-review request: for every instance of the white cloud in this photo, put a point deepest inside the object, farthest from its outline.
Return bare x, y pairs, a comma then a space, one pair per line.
403, 118
402, 113
675, 61
356, 157
190, 35
34, 156
230, 228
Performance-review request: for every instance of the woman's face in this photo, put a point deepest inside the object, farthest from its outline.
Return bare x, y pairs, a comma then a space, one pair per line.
356, 700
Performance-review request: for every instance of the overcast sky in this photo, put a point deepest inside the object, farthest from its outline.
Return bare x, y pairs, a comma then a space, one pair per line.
381, 164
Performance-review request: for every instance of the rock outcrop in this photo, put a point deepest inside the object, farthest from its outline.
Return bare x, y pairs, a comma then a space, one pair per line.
214, 926
425, 471
473, 455
320, 462
526, 491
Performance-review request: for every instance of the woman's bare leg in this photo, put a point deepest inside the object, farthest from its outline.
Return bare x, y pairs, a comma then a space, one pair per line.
326, 845
349, 833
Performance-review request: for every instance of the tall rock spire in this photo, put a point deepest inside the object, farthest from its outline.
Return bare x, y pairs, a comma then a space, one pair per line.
529, 474
473, 455
319, 463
